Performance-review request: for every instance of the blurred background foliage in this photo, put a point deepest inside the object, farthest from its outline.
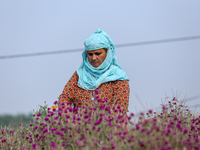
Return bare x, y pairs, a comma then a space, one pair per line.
7, 119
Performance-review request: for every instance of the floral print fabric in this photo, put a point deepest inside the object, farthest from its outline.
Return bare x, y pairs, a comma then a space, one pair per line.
116, 92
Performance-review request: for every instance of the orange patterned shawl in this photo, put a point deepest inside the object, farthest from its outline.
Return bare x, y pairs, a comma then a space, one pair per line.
114, 91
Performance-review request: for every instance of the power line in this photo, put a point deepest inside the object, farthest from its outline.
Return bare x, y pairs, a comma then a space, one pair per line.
117, 46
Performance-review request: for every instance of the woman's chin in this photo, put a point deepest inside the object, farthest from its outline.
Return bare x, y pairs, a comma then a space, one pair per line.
95, 65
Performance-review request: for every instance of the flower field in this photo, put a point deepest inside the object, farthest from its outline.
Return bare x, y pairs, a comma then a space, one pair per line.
100, 127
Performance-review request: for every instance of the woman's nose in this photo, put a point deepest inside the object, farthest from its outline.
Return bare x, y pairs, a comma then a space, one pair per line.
94, 57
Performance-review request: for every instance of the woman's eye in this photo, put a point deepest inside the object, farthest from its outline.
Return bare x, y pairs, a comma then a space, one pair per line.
97, 53
90, 54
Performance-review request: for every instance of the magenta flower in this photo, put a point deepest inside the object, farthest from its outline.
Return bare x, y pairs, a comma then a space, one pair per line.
70, 109
103, 148
39, 114
46, 119
96, 91
53, 129
150, 111
55, 102
52, 144
34, 145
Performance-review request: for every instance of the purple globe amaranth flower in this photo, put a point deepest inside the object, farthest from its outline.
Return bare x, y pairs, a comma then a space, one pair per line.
141, 144
97, 123
120, 116
34, 145
78, 131
118, 106
55, 102
53, 129
137, 126
175, 118
70, 109
53, 144
62, 129
131, 146
123, 137
45, 130
185, 131
150, 111
103, 148
113, 146
39, 114
35, 127
56, 132
192, 127
196, 147
86, 116
98, 100
59, 113
169, 147
56, 117
52, 113
31, 124
142, 130
46, 119
96, 91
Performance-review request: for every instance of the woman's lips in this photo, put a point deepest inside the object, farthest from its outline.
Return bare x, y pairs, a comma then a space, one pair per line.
95, 63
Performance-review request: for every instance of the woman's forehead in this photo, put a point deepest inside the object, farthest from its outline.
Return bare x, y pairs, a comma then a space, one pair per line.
96, 51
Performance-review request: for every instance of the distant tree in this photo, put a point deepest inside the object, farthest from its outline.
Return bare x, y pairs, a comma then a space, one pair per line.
5, 120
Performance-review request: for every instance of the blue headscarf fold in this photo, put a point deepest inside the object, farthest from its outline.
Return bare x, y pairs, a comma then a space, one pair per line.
90, 78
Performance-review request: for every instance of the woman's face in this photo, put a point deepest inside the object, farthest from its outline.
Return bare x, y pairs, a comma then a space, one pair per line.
97, 57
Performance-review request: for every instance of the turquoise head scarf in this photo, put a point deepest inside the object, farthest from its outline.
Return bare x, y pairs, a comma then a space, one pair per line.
90, 78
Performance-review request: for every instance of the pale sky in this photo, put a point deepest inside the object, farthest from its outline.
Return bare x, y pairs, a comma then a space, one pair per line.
154, 70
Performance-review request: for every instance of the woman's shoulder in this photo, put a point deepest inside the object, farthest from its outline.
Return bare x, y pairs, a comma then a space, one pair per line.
74, 77
121, 82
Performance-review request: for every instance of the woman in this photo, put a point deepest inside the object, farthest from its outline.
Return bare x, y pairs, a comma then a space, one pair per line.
99, 71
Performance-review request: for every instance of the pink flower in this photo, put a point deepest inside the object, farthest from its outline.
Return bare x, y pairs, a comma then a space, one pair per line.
52, 144
34, 145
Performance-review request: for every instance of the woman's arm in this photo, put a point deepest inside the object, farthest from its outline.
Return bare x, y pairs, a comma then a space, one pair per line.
68, 92
121, 94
